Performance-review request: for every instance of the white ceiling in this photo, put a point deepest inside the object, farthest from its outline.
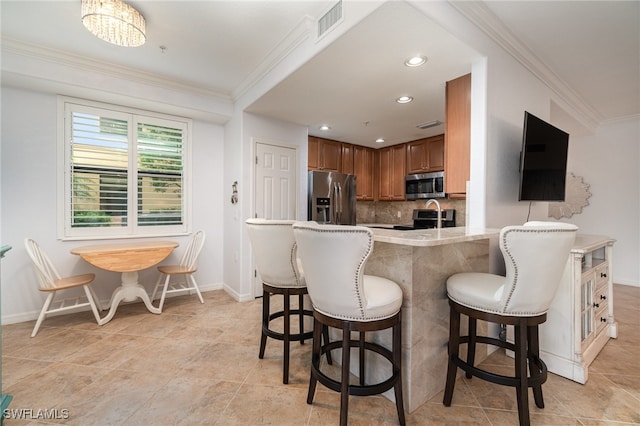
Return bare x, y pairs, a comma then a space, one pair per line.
590, 52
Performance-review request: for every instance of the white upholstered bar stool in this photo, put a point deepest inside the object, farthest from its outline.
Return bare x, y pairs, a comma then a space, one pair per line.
333, 258
275, 255
535, 257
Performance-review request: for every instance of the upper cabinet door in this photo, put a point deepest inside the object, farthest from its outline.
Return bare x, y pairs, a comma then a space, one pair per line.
330, 155
416, 156
425, 155
457, 135
435, 154
313, 148
364, 168
324, 154
391, 172
399, 157
347, 158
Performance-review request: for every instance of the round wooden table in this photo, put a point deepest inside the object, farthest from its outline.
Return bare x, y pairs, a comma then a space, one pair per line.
128, 259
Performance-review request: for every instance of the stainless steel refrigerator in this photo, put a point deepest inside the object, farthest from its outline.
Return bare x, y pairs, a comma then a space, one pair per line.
332, 197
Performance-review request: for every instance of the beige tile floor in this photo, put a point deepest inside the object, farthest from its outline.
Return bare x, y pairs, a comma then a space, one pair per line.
198, 364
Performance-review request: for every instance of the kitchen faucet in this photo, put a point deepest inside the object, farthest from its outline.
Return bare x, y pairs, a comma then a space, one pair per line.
432, 201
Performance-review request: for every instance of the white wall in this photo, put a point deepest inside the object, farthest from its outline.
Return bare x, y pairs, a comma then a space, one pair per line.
608, 162
237, 260
29, 199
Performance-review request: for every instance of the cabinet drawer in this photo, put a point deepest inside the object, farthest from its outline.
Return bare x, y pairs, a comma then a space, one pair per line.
601, 296
602, 274
600, 318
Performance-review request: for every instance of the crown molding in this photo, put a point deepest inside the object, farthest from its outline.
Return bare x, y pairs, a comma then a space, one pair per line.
295, 37
478, 13
67, 59
617, 120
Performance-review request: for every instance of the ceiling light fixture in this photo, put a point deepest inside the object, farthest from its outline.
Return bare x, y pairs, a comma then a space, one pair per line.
404, 99
429, 124
380, 140
416, 61
114, 21
324, 127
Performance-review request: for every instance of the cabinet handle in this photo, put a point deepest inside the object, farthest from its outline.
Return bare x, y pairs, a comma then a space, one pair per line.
603, 319
603, 274
603, 297
596, 305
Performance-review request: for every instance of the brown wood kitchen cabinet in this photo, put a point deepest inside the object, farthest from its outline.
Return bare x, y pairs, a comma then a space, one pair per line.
425, 155
364, 169
391, 172
324, 154
347, 158
458, 136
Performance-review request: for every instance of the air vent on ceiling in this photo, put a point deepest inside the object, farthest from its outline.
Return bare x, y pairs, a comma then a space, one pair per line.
329, 19
428, 124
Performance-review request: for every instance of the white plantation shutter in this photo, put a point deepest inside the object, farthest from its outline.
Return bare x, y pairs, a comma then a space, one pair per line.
125, 173
99, 171
160, 169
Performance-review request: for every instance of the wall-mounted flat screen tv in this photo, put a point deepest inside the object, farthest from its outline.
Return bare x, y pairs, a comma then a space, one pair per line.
543, 161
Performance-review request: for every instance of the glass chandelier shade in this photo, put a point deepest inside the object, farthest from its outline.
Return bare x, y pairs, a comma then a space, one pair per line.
114, 21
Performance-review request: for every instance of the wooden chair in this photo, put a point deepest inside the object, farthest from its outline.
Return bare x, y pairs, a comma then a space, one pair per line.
187, 267
51, 283
535, 255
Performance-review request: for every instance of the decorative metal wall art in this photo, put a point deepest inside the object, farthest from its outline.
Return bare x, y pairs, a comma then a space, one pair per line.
576, 198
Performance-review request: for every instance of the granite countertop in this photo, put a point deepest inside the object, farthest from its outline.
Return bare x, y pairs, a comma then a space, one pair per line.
430, 237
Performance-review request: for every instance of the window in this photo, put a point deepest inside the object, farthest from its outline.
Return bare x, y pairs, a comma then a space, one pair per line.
125, 173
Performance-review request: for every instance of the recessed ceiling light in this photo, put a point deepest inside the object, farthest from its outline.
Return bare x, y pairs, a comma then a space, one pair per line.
404, 99
416, 61
380, 140
325, 127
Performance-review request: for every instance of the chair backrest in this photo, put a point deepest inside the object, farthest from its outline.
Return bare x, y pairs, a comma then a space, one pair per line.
333, 258
274, 250
47, 273
190, 256
535, 255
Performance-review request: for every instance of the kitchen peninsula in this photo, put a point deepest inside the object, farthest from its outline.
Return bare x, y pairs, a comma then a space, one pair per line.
420, 261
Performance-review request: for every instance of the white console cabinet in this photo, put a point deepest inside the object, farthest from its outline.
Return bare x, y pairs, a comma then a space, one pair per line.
580, 320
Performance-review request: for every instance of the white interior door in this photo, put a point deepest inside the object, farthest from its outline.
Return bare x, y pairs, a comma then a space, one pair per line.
275, 187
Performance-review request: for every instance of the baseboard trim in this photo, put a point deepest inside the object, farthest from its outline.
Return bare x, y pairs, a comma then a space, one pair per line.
33, 315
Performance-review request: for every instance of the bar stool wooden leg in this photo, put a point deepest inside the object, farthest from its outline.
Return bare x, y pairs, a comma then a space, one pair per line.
265, 322
397, 364
534, 363
361, 358
318, 331
286, 336
522, 388
471, 346
325, 336
301, 317
454, 347
346, 360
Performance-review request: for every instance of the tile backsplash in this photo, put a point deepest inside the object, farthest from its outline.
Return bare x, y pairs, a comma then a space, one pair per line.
401, 212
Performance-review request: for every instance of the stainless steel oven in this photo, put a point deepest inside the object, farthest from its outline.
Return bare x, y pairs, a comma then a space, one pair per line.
424, 185
428, 218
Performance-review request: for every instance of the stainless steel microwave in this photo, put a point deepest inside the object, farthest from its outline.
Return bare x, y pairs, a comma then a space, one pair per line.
424, 185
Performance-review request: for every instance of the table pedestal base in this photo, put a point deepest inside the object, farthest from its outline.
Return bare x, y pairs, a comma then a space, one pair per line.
129, 291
